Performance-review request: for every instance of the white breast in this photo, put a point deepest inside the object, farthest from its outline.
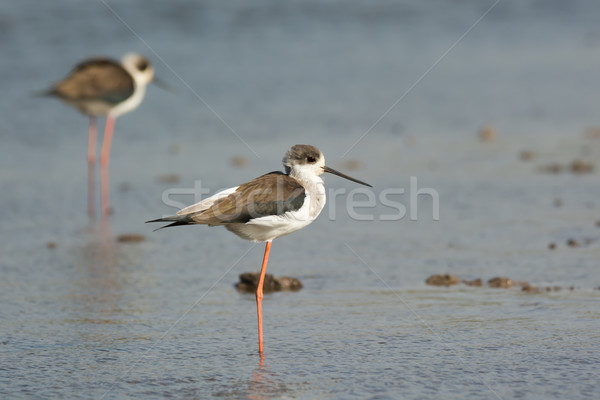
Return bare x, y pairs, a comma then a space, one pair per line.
131, 103
273, 226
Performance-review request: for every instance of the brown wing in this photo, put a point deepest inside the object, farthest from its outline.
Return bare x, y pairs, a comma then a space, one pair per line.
272, 194
96, 79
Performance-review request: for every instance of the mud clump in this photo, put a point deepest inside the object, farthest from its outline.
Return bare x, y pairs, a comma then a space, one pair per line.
581, 167
500, 282
239, 161
497, 282
352, 165
593, 132
505, 283
581, 242
530, 289
131, 238
410, 140
487, 133
527, 155
51, 245
442, 280
249, 282
577, 167
553, 168
168, 178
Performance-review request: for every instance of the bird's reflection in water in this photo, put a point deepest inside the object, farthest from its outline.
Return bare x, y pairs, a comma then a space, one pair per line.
264, 384
98, 286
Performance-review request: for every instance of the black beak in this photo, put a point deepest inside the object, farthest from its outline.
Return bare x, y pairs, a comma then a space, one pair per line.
163, 85
333, 171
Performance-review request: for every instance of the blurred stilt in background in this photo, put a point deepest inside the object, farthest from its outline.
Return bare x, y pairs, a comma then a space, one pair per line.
101, 87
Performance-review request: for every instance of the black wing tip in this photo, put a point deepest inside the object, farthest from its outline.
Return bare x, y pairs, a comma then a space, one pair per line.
175, 220
166, 226
156, 220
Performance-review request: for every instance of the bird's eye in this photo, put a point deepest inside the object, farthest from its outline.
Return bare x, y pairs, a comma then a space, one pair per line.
142, 65
310, 159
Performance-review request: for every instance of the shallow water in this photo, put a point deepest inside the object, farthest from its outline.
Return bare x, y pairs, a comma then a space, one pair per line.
96, 318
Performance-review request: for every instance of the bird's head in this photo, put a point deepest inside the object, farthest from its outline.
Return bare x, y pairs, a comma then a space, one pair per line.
139, 67
303, 160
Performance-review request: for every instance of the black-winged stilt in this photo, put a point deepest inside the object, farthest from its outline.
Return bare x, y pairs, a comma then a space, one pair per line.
100, 87
268, 207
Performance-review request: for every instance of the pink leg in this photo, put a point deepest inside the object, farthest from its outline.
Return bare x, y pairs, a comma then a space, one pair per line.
104, 163
259, 296
91, 157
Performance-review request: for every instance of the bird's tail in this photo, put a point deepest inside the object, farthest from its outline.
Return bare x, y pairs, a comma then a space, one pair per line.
174, 220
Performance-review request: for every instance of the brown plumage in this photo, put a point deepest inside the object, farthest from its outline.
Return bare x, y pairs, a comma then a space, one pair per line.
271, 194
98, 79
274, 193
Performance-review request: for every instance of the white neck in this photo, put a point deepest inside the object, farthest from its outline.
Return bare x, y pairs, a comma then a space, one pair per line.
305, 174
131, 103
314, 186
